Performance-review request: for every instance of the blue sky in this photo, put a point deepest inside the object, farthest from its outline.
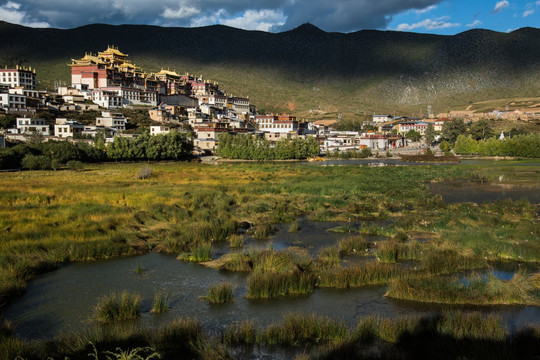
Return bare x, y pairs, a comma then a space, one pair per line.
426, 16
451, 17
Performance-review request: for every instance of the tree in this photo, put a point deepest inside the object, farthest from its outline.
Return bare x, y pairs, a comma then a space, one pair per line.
481, 130
413, 135
430, 134
452, 129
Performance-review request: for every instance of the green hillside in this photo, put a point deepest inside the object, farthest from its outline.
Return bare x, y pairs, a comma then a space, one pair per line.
307, 68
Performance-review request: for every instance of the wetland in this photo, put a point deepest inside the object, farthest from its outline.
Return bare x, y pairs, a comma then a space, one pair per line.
295, 247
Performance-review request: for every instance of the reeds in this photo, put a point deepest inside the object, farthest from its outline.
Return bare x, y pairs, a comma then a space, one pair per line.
160, 303
220, 293
237, 261
266, 285
352, 245
236, 241
372, 273
392, 251
118, 306
329, 257
471, 290
199, 253
294, 227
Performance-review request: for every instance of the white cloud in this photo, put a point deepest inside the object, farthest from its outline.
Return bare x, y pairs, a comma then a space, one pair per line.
277, 15
428, 24
475, 23
528, 12
538, 3
501, 5
263, 20
11, 12
425, 10
184, 12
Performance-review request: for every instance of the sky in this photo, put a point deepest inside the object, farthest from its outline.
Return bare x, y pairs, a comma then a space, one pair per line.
445, 17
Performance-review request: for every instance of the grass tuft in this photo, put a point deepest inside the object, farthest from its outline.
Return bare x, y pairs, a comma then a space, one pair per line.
118, 306
220, 294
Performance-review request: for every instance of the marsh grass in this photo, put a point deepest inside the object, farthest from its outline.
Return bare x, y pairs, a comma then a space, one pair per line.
461, 334
266, 285
472, 290
220, 293
448, 261
392, 251
329, 257
371, 273
236, 241
352, 245
104, 212
139, 269
262, 230
118, 306
199, 253
160, 303
294, 227
237, 261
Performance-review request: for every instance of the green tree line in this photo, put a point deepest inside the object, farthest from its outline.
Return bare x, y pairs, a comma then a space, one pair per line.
52, 154
527, 146
248, 147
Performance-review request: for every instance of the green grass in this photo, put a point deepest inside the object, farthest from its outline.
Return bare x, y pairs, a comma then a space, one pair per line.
353, 245
118, 306
104, 212
266, 285
371, 273
329, 257
236, 241
472, 290
220, 293
160, 303
199, 253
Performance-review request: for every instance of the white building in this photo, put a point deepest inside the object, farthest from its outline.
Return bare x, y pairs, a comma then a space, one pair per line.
131, 96
381, 118
112, 120
24, 92
106, 99
240, 105
277, 124
19, 77
218, 101
28, 125
65, 128
92, 131
406, 126
195, 116
156, 130
13, 102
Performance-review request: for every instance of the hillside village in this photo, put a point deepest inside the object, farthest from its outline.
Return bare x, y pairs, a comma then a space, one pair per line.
107, 83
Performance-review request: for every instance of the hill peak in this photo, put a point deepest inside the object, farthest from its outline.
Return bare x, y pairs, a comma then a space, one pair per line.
307, 28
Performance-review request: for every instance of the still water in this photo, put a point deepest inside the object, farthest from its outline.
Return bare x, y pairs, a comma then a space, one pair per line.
62, 301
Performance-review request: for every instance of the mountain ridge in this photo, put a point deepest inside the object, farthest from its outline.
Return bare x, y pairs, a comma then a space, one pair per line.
306, 67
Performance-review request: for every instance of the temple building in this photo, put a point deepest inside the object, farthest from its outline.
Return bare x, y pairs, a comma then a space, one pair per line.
108, 68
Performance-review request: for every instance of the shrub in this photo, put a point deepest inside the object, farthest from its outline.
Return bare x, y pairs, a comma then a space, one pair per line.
75, 165
36, 162
144, 173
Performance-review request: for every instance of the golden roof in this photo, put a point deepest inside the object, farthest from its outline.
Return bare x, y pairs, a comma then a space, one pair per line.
167, 72
88, 59
111, 50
